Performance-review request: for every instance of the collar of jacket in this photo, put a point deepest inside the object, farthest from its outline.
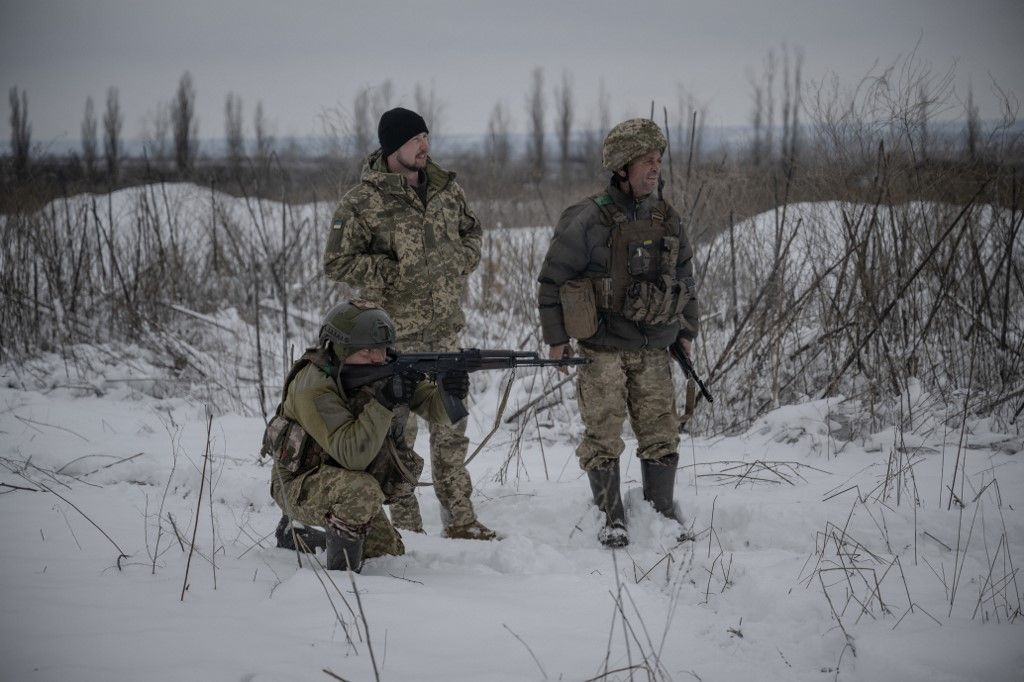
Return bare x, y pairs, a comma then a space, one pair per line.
376, 173
633, 209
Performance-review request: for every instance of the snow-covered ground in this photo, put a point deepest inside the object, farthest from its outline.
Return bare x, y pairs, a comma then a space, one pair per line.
812, 562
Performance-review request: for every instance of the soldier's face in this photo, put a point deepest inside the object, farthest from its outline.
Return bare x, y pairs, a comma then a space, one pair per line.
413, 154
368, 356
642, 173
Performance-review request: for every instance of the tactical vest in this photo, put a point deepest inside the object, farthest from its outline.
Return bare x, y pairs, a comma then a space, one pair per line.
641, 283
396, 467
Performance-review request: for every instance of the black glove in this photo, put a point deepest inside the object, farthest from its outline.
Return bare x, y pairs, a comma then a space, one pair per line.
398, 389
456, 383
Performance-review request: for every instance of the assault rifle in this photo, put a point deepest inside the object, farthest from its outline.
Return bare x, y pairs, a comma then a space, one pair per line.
680, 356
437, 365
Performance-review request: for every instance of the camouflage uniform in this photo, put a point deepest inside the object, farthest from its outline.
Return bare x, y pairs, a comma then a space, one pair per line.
411, 254
631, 371
350, 456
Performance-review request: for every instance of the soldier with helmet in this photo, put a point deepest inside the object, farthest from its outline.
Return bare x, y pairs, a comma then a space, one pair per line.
339, 457
618, 278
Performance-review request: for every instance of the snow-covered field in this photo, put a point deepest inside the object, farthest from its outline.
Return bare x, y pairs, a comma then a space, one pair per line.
823, 551
812, 562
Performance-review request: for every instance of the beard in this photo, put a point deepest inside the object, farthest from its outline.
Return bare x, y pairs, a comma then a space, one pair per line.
413, 163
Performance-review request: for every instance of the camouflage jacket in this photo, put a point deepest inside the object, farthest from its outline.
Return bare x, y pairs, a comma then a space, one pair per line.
579, 248
411, 259
351, 431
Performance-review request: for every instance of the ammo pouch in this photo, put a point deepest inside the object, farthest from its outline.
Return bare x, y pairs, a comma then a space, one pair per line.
287, 442
657, 303
397, 469
579, 308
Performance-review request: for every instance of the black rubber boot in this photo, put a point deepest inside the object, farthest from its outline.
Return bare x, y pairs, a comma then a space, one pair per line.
604, 484
310, 538
344, 549
659, 477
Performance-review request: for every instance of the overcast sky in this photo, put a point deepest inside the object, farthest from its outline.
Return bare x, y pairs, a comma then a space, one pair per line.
304, 58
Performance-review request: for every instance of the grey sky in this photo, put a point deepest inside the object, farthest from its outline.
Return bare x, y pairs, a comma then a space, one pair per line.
301, 58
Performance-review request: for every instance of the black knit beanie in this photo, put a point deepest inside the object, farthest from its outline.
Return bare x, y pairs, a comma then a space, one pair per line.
397, 126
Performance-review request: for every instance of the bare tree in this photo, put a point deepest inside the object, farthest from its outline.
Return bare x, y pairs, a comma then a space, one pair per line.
591, 139
382, 95
367, 106
429, 107
112, 122
692, 115
362, 126
791, 102
185, 125
535, 114
89, 140
498, 146
157, 127
923, 112
233, 130
972, 128
264, 140
563, 122
762, 118
21, 133
604, 110
757, 123
769, 103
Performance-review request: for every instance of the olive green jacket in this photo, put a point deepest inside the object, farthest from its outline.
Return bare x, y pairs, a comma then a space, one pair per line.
352, 429
410, 258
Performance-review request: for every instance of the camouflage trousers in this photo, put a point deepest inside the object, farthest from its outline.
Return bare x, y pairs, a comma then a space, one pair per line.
619, 382
352, 497
448, 447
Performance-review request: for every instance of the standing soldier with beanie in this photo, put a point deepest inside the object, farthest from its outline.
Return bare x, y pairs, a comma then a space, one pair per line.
406, 239
339, 456
618, 277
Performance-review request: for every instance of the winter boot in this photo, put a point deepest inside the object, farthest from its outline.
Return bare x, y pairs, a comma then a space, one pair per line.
604, 484
309, 538
659, 478
344, 547
474, 530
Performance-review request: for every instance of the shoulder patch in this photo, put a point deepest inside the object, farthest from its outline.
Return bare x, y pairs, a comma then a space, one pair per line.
602, 200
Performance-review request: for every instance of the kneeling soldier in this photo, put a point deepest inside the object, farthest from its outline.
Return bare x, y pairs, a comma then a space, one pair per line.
337, 457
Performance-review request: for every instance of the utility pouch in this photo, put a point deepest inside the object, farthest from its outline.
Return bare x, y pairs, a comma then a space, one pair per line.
603, 293
285, 441
637, 304
642, 258
669, 255
397, 469
579, 308
663, 309
687, 290
652, 302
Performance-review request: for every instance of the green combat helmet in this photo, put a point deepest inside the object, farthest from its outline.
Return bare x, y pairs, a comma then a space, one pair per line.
630, 139
354, 325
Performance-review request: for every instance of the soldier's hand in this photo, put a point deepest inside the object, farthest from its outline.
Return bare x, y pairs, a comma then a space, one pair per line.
687, 346
559, 351
398, 389
456, 383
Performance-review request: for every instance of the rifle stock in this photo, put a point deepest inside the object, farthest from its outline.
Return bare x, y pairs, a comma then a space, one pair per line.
437, 365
